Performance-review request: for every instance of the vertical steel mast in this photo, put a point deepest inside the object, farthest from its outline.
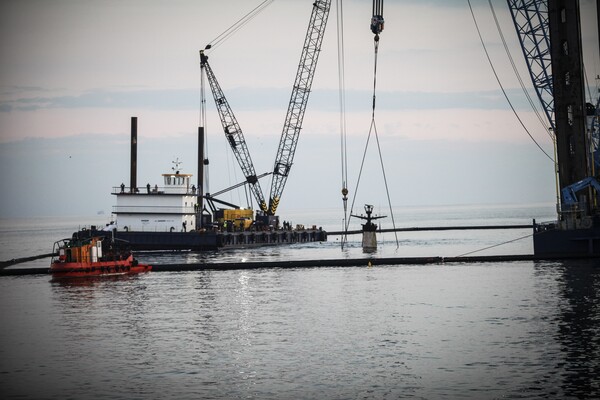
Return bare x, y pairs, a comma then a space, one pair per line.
298, 100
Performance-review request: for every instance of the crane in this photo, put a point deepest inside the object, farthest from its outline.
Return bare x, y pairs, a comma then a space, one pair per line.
531, 23
233, 133
550, 36
554, 57
298, 101
569, 193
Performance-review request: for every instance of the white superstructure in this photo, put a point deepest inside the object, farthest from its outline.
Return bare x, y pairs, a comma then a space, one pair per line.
167, 208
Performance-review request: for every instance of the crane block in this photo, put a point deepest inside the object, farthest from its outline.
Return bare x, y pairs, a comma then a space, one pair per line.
377, 20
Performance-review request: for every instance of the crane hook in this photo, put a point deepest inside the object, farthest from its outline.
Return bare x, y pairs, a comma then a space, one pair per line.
377, 20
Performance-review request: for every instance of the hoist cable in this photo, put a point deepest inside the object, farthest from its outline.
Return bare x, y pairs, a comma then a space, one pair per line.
495, 245
387, 191
375, 78
362, 163
239, 24
373, 129
502, 87
342, 101
545, 124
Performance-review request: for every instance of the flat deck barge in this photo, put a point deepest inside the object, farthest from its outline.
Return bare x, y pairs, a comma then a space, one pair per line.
208, 240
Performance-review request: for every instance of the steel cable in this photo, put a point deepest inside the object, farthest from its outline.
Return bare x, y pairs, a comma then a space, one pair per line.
518, 75
501, 86
372, 129
238, 25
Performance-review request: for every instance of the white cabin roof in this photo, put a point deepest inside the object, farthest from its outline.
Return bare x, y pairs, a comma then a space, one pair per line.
177, 179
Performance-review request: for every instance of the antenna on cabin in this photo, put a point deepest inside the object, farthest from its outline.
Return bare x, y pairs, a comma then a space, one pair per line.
177, 163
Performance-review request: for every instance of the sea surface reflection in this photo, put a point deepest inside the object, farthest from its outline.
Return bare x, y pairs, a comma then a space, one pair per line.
479, 331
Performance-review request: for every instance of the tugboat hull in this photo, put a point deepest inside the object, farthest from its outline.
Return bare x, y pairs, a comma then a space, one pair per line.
80, 269
93, 256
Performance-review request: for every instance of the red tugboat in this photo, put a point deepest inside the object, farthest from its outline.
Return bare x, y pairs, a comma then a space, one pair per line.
93, 256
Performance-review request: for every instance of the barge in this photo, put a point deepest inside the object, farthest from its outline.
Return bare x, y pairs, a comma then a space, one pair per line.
178, 215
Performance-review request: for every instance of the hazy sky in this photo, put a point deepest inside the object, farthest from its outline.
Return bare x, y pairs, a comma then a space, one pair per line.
72, 73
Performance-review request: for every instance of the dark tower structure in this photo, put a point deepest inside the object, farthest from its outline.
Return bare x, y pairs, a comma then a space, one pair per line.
133, 162
569, 91
201, 162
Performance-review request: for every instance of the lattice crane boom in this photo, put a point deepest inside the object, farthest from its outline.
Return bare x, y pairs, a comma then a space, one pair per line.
550, 36
233, 133
298, 101
531, 23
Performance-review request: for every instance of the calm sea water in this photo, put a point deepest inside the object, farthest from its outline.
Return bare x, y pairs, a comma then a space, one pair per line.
475, 331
